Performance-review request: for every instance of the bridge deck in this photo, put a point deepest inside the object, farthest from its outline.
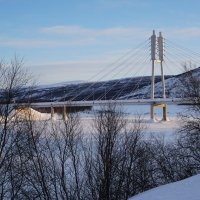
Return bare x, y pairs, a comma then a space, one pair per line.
104, 102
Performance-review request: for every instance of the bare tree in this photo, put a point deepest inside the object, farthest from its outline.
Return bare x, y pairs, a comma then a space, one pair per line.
113, 154
190, 86
189, 140
13, 78
63, 158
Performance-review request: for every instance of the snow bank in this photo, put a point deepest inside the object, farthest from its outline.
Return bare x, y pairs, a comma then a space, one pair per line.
28, 114
188, 189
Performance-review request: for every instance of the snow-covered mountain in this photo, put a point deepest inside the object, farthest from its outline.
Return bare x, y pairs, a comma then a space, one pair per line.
126, 88
172, 90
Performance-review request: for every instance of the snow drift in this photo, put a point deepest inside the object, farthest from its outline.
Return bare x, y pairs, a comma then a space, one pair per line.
187, 189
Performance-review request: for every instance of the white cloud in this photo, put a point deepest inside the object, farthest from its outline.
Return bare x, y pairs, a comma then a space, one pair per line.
107, 32
186, 32
23, 43
119, 32
66, 30
67, 36
43, 43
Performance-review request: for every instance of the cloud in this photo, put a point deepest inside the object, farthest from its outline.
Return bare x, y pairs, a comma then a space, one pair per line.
186, 32
119, 32
24, 43
65, 30
81, 31
43, 43
68, 36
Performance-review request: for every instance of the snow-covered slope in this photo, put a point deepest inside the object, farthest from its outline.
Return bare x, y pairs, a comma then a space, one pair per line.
188, 189
172, 86
126, 88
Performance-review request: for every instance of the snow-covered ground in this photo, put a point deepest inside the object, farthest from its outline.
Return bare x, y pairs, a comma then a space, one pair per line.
188, 189
158, 127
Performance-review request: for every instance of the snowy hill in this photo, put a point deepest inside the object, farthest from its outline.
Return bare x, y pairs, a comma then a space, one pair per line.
90, 90
126, 88
188, 189
172, 90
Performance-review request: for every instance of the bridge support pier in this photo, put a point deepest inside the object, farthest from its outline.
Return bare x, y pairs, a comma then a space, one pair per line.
64, 113
165, 112
52, 112
164, 108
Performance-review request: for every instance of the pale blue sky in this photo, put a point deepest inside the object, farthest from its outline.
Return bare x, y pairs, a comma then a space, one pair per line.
64, 40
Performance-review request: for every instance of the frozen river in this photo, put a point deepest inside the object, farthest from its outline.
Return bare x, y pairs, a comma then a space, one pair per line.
166, 129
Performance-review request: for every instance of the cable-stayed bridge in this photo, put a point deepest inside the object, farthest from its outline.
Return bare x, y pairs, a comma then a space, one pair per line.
155, 57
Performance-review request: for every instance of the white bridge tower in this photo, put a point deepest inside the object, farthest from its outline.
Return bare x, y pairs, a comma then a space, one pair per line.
157, 57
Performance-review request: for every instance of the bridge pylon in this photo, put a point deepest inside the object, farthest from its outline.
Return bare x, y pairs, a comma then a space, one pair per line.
159, 43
